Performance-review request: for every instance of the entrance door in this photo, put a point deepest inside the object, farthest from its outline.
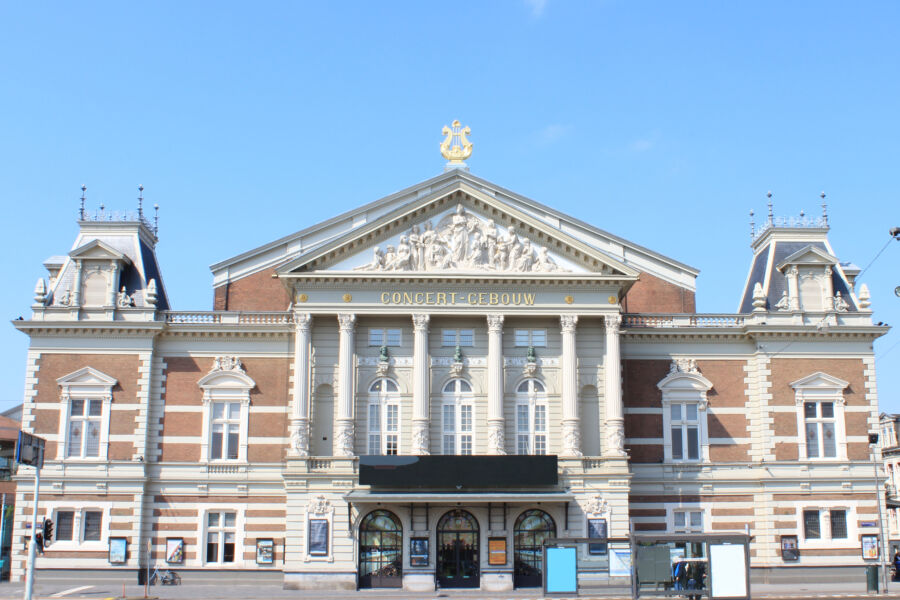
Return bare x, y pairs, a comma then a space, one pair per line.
457, 555
380, 550
531, 529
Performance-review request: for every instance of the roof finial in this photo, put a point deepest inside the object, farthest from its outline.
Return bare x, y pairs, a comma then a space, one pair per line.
771, 214
81, 211
156, 219
824, 209
141, 202
752, 226
456, 148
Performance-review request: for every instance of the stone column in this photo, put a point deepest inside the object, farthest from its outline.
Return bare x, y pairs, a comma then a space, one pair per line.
615, 412
496, 423
344, 430
75, 296
112, 291
793, 279
571, 425
421, 388
300, 408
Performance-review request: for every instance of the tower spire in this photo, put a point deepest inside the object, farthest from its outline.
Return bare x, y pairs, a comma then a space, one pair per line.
824, 209
141, 202
771, 212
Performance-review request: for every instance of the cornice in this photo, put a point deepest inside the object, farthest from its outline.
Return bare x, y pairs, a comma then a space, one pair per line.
547, 279
92, 328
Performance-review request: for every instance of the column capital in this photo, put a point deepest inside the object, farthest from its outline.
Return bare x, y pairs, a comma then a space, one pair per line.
495, 323
568, 322
347, 322
302, 321
612, 322
420, 322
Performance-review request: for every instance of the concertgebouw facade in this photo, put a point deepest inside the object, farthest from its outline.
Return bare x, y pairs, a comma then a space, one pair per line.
395, 395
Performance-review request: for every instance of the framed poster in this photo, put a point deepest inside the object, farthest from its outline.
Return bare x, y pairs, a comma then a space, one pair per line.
265, 551
497, 551
597, 528
118, 550
175, 551
318, 537
418, 552
789, 548
869, 547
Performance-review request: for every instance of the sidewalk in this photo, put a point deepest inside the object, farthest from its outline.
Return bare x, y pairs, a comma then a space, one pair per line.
195, 591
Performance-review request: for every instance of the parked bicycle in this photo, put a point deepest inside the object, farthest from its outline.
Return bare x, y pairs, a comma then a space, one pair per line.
167, 577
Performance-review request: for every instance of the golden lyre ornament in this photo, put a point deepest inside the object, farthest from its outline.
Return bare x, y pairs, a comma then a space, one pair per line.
456, 148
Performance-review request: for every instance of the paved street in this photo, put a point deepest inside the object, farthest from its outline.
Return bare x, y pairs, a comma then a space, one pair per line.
109, 590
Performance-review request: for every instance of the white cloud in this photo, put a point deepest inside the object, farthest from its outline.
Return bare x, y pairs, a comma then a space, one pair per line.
537, 7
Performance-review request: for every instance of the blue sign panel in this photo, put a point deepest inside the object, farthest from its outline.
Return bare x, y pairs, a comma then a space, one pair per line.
562, 576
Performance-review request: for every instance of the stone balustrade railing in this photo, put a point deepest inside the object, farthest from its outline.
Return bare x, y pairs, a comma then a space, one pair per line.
682, 320
225, 317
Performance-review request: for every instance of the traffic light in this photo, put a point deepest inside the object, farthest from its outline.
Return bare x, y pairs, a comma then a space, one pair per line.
39, 542
48, 531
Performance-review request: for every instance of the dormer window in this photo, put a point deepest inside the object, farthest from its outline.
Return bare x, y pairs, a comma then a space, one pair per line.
98, 267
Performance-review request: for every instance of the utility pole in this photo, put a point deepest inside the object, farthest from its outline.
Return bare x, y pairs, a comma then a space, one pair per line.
883, 550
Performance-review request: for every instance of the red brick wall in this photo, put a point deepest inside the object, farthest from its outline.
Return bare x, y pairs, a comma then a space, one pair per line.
272, 389
123, 367
786, 370
259, 291
650, 294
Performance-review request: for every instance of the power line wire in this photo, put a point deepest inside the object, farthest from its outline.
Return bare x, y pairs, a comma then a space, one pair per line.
883, 248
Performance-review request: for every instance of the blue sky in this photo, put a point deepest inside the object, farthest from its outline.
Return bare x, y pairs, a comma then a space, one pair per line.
662, 122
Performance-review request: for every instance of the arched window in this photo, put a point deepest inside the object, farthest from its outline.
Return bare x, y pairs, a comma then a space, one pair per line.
531, 418
380, 550
384, 417
531, 529
457, 415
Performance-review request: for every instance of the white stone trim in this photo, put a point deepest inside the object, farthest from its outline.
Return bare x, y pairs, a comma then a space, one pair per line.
87, 384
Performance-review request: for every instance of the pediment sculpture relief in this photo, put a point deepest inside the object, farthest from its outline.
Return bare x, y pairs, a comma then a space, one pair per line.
462, 241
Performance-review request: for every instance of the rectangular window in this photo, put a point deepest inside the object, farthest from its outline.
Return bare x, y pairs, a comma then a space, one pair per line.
457, 337
84, 428
819, 424
93, 520
226, 419
457, 428
838, 524
685, 431
531, 428
531, 337
65, 525
384, 337
811, 527
220, 537
687, 521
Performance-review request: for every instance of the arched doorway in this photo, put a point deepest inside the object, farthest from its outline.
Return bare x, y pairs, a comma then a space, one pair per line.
531, 529
457, 555
380, 550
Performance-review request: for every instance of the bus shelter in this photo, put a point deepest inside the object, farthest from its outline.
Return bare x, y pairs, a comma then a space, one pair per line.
691, 565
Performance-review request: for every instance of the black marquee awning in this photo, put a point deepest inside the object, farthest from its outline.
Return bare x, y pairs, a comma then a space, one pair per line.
459, 473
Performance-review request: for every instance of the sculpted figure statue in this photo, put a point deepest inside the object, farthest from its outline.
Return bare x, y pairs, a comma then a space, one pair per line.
389, 255
415, 247
526, 258
477, 251
840, 304
784, 303
545, 264
123, 300
377, 263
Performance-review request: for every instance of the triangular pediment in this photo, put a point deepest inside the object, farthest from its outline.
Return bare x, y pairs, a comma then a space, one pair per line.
458, 230
820, 381
87, 376
96, 249
810, 255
